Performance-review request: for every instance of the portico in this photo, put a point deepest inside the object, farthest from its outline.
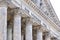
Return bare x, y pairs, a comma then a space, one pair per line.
25, 21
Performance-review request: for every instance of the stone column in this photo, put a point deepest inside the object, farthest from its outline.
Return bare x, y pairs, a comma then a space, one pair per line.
3, 23
17, 27
47, 36
39, 35
9, 33
28, 29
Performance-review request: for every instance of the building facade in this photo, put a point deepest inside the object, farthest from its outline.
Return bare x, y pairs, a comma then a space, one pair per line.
28, 20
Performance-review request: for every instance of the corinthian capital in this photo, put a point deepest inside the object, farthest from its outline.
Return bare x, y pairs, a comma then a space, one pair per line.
3, 3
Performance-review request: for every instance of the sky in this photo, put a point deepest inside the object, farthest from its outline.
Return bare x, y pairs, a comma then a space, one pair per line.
56, 6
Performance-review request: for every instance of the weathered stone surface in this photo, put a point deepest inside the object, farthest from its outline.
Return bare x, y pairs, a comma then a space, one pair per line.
17, 27
14, 27
28, 30
3, 23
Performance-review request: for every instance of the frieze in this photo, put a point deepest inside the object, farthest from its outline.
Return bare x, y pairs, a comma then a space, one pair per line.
35, 17
27, 10
44, 25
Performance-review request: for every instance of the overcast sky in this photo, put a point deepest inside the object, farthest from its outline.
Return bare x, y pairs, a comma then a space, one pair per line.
56, 6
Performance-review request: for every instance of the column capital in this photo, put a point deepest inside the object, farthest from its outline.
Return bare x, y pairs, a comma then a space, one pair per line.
47, 35
41, 28
3, 3
29, 20
17, 11
38, 27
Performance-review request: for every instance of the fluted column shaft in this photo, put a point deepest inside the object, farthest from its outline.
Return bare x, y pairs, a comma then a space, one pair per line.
3, 23
39, 35
17, 27
9, 33
28, 30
